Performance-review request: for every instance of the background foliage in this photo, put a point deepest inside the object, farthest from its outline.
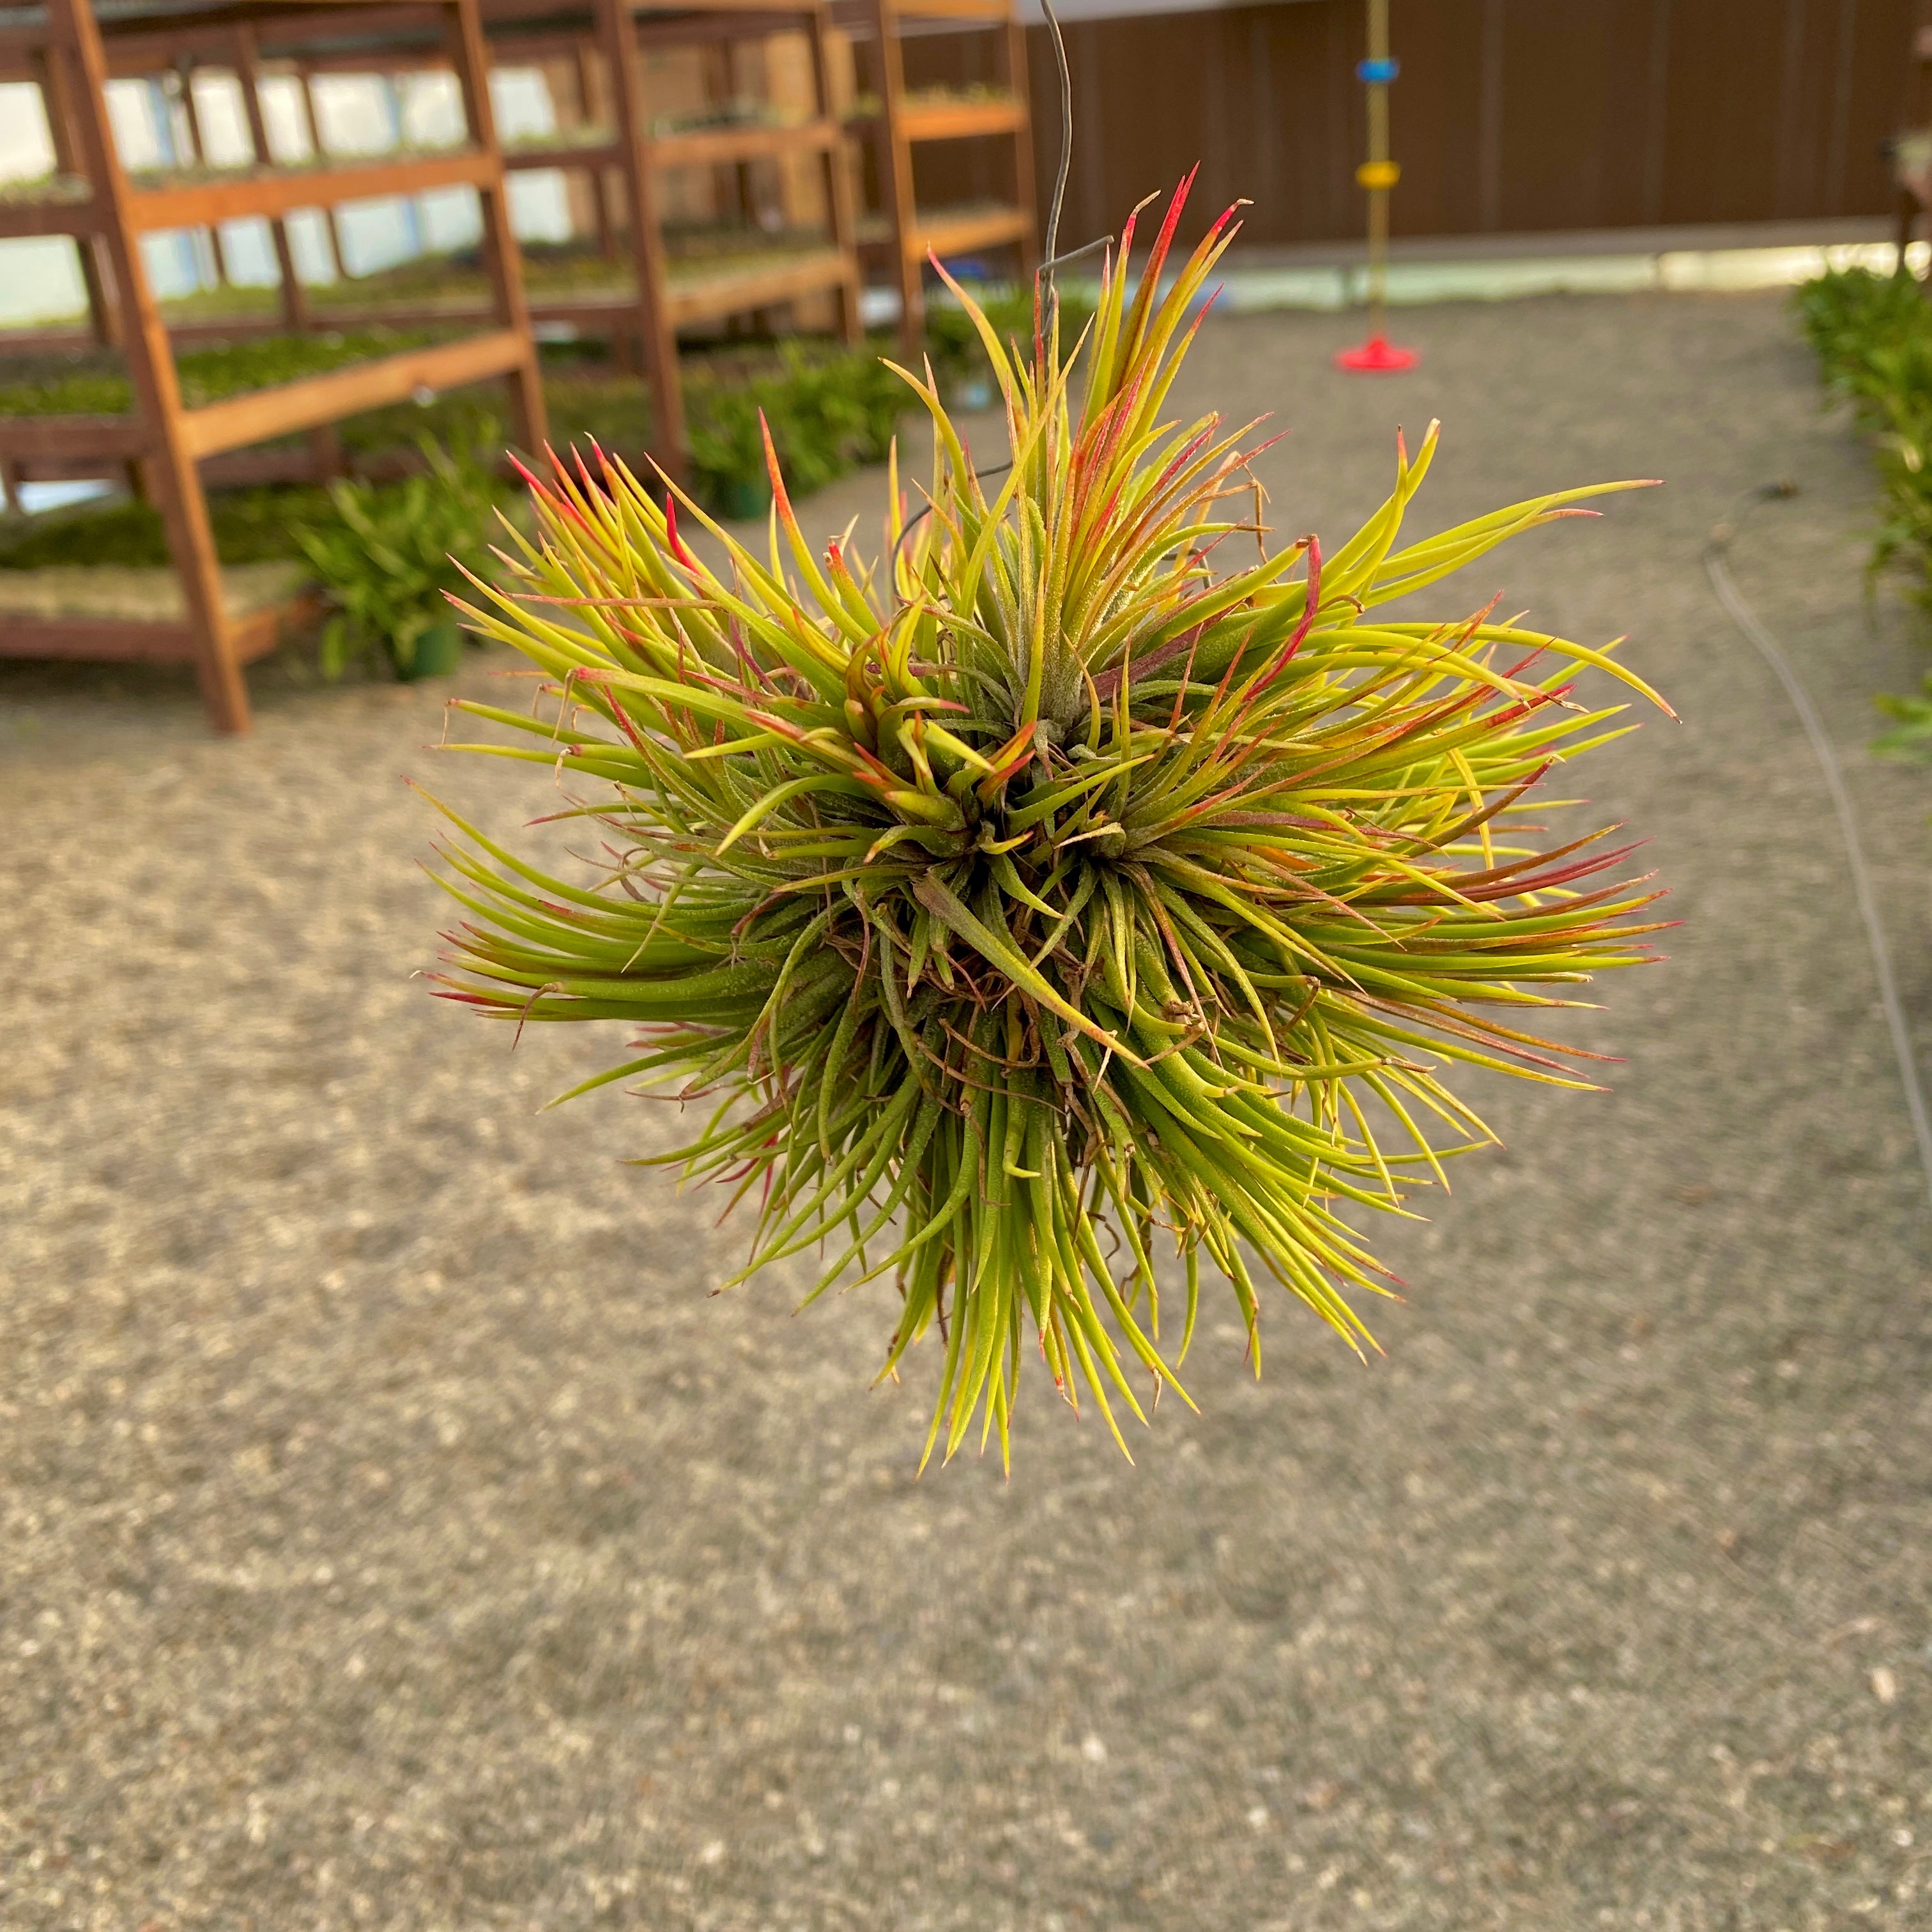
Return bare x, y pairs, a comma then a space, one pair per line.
1873, 335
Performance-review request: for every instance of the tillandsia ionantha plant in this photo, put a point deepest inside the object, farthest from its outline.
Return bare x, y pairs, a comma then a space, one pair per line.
1058, 886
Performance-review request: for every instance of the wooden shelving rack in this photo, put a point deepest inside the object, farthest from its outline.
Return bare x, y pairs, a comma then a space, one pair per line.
903, 121
663, 294
651, 295
107, 213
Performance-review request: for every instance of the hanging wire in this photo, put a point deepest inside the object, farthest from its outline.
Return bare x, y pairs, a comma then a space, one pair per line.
1047, 267
1768, 647
1053, 260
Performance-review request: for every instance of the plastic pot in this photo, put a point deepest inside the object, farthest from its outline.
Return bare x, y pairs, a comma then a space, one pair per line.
741, 498
439, 652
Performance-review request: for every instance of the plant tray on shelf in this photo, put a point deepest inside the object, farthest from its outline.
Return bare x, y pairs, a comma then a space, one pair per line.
251, 525
726, 114
141, 592
867, 107
705, 265
430, 281
688, 241
43, 190
979, 95
560, 140
206, 174
943, 226
95, 381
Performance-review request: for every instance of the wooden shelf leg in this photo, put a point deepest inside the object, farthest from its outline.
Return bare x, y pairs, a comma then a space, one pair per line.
838, 201
248, 71
501, 258
600, 209
618, 40
325, 452
1014, 77
57, 88
184, 76
331, 235
151, 369
896, 178
593, 110
743, 187
325, 445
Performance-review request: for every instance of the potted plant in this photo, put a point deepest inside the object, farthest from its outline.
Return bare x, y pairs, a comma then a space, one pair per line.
389, 559
1077, 881
727, 450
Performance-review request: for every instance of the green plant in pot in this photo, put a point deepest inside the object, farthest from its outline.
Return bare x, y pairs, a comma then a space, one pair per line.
825, 424
727, 450
389, 560
885, 401
1071, 903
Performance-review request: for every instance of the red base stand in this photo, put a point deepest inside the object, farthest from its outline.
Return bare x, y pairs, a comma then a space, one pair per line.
1378, 356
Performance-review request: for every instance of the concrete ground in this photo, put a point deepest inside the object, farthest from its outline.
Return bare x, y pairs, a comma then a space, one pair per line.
392, 1533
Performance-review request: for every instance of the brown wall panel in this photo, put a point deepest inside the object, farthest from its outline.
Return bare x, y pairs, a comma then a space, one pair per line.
1511, 115
1438, 115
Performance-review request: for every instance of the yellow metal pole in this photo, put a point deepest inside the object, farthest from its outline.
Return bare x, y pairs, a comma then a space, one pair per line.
1381, 172
1378, 175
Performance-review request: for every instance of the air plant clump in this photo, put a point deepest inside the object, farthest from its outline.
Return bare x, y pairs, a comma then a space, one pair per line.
1061, 886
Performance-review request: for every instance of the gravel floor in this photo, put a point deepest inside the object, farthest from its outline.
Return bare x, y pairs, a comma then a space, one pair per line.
395, 1534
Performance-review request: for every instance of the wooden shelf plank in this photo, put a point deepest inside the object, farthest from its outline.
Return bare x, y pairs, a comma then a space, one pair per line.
289, 407
138, 45
992, 13
134, 641
649, 9
470, 311
542, 25
53, 439
703, 147
97, 640
736, 285
21, 220
517, 40
691, 147
855, 17
961, 120
595, 308
501, 13
203, 204
945, 234
593, 154
749, 285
